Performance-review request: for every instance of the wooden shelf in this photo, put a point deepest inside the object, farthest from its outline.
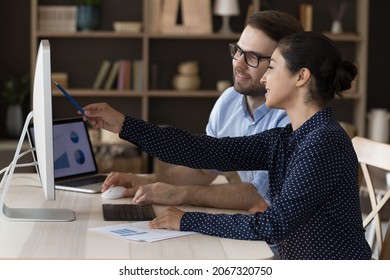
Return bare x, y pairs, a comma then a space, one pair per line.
344, 37
99, 92
89, 34
211, 36
131, 93
184, 94
80, 54
351, 96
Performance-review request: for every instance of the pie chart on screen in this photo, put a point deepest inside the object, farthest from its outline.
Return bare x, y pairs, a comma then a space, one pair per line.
74, 137
79, 156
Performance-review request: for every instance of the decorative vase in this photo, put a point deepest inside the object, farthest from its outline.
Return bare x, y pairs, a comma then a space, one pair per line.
337, 27
88, 17
378, 125
14, 121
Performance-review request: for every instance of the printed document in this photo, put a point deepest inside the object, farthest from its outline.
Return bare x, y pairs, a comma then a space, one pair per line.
139, 231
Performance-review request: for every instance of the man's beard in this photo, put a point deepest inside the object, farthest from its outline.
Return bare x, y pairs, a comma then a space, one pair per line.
254, 89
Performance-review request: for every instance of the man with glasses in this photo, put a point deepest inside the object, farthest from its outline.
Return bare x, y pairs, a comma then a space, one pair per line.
239, 111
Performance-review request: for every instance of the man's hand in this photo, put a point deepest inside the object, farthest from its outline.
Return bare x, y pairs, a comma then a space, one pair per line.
128, 180
160, 193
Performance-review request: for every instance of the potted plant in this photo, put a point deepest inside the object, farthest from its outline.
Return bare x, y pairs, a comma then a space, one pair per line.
88, 14
15, 92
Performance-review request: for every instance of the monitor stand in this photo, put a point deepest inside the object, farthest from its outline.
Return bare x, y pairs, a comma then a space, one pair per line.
29, 214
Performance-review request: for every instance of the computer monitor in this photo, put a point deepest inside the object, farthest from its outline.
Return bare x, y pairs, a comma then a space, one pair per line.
43, 125
43, 120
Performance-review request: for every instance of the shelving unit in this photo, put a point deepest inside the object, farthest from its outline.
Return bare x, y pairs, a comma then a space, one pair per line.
359, 39
353, 43
152, 48
81, 53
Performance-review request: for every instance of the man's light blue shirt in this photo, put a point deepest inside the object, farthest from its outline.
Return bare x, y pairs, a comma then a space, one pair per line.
230, 117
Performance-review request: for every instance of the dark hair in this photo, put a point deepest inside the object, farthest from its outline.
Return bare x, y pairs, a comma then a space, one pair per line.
275, 24
321, 56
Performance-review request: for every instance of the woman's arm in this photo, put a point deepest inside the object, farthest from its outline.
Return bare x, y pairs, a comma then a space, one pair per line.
179, 147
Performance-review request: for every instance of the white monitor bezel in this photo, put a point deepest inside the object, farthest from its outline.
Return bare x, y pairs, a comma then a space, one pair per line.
43, 120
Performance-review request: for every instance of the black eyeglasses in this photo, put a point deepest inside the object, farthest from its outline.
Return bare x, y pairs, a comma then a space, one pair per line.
251, 59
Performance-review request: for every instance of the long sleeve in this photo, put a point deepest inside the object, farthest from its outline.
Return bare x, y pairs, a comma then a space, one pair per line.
297, 198
313, 178
179, 147
312, 204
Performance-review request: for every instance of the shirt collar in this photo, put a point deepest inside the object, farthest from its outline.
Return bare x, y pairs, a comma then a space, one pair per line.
323, 116
258, 114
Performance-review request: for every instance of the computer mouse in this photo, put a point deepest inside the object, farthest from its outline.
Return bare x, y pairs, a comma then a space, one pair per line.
114, 192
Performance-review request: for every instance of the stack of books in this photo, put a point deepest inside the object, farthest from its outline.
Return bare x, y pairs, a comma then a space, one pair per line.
57, 18
122, 74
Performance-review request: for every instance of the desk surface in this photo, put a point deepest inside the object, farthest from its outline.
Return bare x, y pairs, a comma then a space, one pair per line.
73, 240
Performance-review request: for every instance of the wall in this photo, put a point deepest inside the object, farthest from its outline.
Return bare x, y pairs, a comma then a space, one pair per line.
379, 55
14, 46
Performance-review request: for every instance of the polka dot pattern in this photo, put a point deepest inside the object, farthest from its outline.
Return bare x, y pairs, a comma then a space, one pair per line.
313, 177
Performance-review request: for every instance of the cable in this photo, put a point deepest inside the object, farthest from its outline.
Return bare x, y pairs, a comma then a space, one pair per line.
22, 164
6, 169
19, 165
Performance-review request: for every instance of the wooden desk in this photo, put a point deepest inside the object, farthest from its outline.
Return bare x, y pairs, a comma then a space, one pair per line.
73, 240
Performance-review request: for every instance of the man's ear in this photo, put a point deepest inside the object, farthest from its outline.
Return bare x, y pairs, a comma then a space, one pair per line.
303, 76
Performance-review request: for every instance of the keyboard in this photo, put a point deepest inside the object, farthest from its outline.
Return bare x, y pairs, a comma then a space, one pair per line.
84, 181
128, 212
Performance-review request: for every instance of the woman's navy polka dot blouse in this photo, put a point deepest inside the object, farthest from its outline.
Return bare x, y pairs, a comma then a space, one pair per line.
313, 174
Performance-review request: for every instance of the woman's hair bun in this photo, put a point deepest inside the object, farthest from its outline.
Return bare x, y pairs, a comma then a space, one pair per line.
345, 74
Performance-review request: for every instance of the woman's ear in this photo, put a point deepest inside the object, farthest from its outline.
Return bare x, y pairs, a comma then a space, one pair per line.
303, 76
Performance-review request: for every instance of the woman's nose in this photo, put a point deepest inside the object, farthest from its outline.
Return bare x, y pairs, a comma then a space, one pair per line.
263, 79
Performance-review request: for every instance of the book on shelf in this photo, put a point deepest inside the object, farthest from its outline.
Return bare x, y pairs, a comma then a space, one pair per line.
102, 74
306, 16
138, 74
57, 18
112, 76
190, 11
124, 75
205, 17
169, 12
196, 16
155, 16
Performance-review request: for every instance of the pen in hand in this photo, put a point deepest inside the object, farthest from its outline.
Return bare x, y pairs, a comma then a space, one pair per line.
67, 95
